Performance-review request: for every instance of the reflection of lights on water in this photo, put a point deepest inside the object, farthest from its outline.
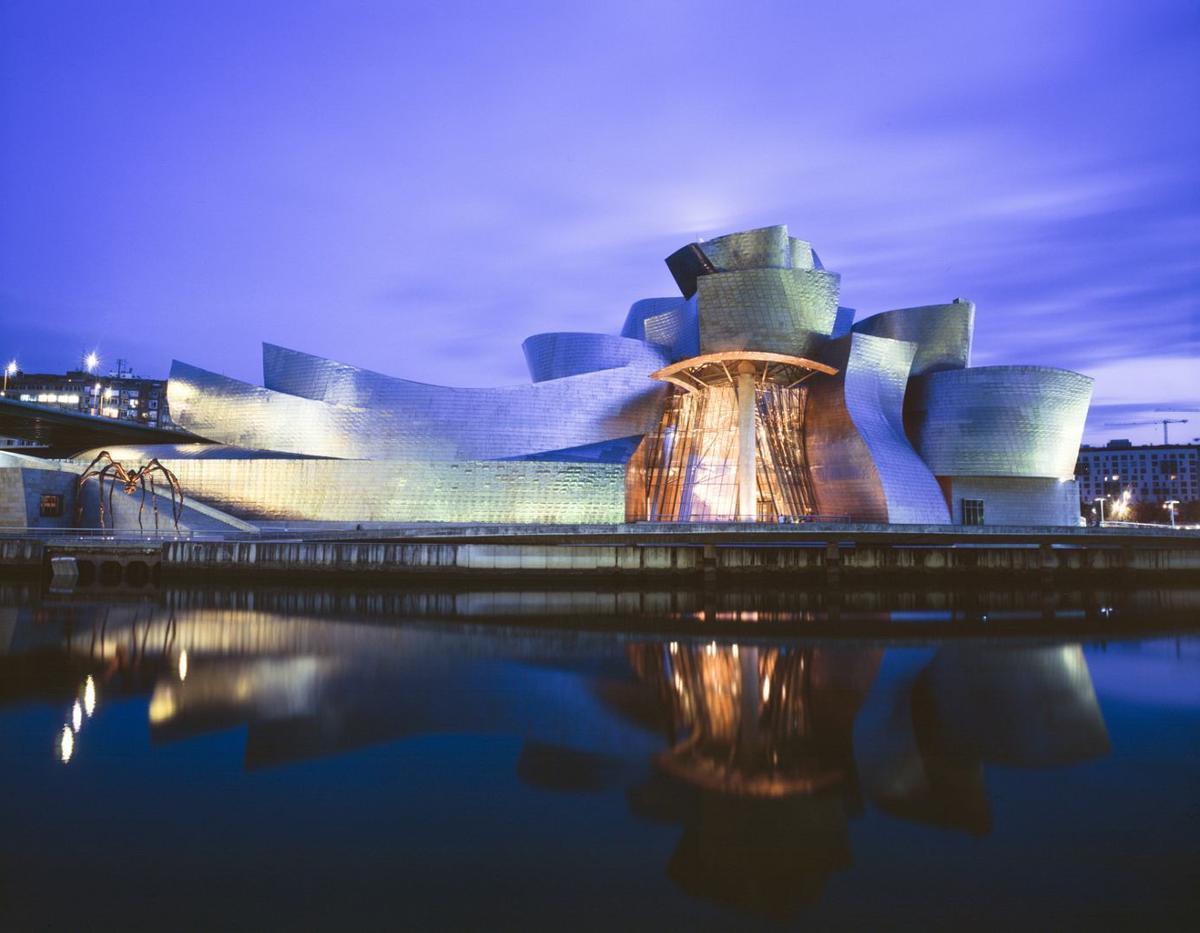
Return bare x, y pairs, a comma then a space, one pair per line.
76, 716
183, 665
66, 744
162, 705
679, 683
766, 688
674, 647
735, 652
711, 649
89, 696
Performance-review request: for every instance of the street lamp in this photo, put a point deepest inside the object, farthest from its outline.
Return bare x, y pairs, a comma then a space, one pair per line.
1099, 500
1170, 505
91, 361
10, 370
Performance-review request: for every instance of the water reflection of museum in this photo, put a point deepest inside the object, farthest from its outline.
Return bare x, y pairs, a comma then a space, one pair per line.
761, 753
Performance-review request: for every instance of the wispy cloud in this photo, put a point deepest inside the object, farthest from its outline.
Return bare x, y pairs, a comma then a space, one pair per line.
417, 190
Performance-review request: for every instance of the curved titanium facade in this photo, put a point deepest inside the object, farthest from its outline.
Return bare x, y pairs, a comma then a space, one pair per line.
901, 429
757, 290
788, 311
245, 415
764, 248
942, 333
861, 462
321, 407
999, 420
558, 355
505, 491
677, 330
843, 322
640, 311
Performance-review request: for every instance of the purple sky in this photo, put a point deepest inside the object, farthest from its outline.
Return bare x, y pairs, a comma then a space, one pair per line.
416, 188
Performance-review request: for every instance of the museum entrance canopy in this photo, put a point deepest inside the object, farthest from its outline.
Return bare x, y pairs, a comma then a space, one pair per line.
715, 369
730, 444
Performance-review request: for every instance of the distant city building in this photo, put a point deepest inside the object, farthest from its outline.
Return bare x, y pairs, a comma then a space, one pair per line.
1148, 472
120, 394
751, 396
19, 444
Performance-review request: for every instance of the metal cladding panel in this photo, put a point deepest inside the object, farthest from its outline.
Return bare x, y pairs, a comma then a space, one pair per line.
766, 247
779, 310
801, 254
643, 309
516, 491
400, 416
677, 330
557, 355
861, 462
618, 451
999, 420
844, 322
942, 333
1017, 500
245, 415
687, 265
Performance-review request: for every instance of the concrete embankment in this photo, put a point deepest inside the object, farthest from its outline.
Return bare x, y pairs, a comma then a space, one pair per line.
655, 559
827, 554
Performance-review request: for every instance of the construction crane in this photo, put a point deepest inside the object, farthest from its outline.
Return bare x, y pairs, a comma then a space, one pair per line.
1136, 424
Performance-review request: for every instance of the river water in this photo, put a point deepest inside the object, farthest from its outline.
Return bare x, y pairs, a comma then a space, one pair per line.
320, 759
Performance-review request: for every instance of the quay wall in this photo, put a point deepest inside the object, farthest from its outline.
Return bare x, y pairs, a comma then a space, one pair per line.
327, 558
627, 555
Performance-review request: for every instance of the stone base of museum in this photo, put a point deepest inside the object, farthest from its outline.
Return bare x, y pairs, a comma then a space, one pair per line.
1011, 500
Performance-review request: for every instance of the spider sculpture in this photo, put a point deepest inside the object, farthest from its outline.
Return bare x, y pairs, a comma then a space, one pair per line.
116, 474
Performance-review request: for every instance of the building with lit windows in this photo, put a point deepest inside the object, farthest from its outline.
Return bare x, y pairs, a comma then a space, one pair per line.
120, 394
751, 396
1148, 473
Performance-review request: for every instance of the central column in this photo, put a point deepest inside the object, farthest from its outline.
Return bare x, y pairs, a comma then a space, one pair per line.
747, 475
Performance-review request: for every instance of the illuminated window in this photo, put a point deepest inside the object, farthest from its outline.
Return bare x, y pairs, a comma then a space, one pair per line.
972, 511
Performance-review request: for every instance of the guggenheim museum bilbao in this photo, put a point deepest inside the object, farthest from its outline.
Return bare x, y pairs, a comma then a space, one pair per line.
751, 396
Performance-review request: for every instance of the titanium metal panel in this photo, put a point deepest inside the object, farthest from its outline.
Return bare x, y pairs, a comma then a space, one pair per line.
245, 415
802, 254
764, 248
843, 323
516, 491
643, 309
788, 311
999, 420
399, 416
558, 355
861, 462
942, 333
687, 265
677, 330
